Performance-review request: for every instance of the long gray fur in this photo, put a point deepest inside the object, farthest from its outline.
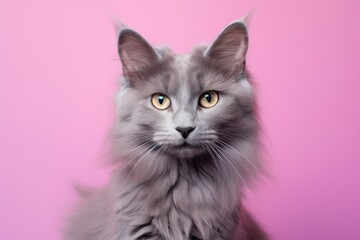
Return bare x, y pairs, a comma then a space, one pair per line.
165, 190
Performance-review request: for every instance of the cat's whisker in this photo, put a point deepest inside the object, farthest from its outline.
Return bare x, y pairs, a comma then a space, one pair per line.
138, 162
247, 169
220, 159
229, 161
225, 135
129, 161
164, 140
138, 139
163, 133
211, 154
141, 145
231, 137
243, 156
157, 153
204, 141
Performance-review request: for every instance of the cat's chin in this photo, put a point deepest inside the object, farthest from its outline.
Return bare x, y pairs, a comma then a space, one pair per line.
185, 150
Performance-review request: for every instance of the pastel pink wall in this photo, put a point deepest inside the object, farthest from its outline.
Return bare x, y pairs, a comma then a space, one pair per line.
58, 73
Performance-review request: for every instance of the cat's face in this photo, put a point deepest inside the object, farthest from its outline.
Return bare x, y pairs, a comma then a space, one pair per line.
185, 105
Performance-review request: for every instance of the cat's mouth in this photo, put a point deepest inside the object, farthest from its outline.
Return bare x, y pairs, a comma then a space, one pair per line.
185, 149
184, 144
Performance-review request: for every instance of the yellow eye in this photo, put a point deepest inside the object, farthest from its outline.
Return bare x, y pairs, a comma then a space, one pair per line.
209, 99
160, 101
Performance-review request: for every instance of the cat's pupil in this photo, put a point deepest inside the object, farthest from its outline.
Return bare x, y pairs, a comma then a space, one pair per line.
161, 99
208, 97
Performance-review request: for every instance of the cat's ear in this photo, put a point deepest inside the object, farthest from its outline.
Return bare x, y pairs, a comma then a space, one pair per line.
135, 53
228, 52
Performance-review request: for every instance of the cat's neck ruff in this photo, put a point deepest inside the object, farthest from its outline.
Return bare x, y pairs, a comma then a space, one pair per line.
182, 192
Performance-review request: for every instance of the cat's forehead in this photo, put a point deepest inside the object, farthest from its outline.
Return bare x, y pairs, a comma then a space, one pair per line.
180, 66
189, 74
183, 75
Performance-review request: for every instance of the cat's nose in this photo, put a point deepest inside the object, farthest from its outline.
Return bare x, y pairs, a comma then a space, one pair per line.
185, 131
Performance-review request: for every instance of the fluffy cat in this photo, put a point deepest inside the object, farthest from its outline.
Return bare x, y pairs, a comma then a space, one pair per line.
187, 131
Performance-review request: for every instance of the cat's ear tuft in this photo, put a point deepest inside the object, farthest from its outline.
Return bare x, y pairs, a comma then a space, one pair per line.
135, 52
229, 49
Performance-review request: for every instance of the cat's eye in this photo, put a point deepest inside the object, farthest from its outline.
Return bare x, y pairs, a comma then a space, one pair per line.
160, 101
208, 99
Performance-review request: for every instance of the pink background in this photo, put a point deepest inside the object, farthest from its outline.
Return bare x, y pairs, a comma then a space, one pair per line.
58, 77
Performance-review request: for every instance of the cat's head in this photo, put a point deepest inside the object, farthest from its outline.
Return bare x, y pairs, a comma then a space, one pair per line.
184, 106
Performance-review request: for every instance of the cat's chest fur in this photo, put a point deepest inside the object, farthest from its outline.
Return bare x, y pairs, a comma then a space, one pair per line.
178, 204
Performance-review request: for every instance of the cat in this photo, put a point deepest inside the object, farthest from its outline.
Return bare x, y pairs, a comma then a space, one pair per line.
187, 132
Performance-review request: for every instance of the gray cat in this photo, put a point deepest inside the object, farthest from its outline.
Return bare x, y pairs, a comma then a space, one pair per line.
187, 132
